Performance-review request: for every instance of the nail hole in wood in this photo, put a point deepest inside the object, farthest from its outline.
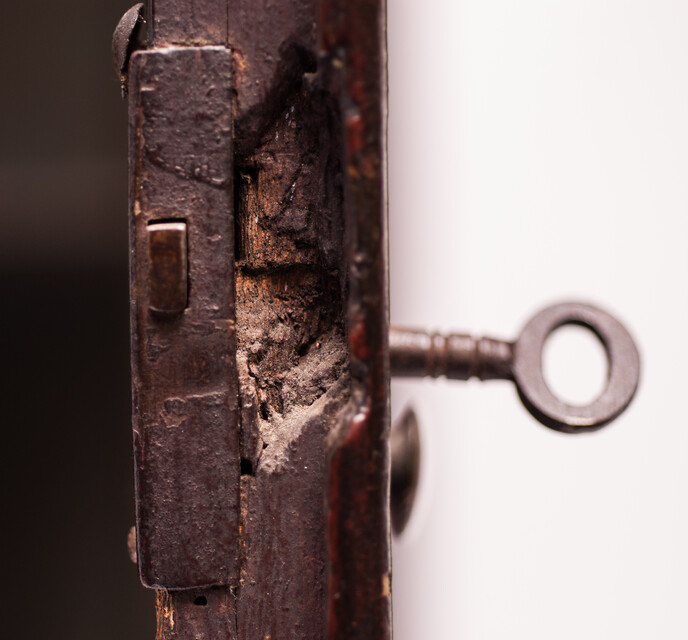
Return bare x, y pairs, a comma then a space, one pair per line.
246, 467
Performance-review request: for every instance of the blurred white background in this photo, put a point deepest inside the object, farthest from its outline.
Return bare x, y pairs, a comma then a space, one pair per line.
539, 152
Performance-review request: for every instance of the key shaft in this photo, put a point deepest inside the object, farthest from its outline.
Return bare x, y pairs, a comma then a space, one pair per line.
415, 353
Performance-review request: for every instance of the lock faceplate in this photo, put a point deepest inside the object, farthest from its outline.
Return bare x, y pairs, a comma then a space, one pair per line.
186, 435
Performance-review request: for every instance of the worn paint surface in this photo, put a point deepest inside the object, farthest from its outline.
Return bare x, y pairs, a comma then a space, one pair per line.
187, 22
359, 604
207, 614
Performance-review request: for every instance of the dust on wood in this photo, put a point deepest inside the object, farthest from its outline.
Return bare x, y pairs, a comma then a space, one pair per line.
293, 362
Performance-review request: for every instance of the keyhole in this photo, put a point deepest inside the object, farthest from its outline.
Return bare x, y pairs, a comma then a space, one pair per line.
575, 365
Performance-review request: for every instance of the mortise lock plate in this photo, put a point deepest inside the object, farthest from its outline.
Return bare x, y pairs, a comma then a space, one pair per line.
184, 376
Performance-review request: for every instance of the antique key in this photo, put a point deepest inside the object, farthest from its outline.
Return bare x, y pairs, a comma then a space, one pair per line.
460, 357
415, 353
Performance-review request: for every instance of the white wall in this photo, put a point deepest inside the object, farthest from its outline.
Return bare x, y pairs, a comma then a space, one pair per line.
539, 152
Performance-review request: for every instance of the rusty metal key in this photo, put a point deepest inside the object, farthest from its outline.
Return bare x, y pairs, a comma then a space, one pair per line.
418, 353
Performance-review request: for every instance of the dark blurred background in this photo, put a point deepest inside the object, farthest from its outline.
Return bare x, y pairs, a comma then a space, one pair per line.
66, 472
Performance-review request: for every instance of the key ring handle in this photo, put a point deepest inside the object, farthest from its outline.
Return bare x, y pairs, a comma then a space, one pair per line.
622, 355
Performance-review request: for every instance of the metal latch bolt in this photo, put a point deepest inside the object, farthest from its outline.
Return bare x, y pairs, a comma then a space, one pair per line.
168, 281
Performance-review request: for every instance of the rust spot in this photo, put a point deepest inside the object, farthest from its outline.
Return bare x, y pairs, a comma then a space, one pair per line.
355, 130
358, 339
240, 66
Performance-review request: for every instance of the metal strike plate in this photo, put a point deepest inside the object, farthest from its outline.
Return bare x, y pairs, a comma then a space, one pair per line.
185, 424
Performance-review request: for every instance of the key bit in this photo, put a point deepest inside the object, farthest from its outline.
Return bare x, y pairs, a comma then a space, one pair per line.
418, 353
